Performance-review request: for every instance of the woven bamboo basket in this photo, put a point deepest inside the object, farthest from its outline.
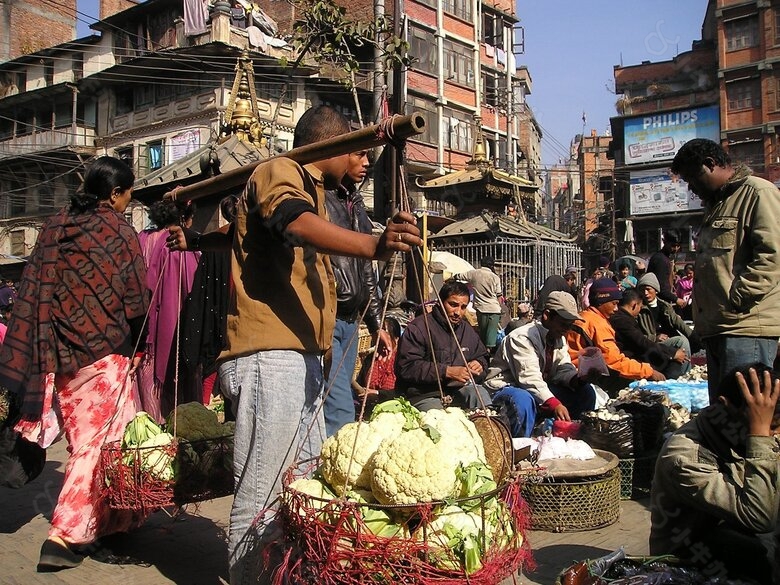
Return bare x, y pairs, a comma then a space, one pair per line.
578, 500
364, 344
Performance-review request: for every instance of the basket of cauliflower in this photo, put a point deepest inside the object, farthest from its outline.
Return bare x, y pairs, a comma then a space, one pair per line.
190, 459
406, 497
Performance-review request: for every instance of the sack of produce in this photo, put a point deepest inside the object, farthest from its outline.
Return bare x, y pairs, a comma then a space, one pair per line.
609, 430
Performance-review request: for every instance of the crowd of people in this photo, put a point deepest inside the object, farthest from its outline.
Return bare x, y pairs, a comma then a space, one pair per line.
94, 337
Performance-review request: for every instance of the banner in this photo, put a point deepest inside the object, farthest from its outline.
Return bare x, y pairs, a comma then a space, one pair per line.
658, 191
657, 137
184, 143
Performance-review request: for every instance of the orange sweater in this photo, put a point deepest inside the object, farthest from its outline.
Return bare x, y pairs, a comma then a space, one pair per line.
600, 331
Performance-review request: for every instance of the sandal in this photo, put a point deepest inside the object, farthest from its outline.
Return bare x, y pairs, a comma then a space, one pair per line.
56, 556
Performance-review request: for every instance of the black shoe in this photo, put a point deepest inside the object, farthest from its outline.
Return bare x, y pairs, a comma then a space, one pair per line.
55, 557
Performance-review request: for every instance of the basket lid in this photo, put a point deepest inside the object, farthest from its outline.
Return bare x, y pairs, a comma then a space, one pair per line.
574, 468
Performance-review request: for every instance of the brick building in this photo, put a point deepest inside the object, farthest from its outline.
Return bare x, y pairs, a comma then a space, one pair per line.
27, 26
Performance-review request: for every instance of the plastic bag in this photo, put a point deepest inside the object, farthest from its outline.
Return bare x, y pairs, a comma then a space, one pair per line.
591, 358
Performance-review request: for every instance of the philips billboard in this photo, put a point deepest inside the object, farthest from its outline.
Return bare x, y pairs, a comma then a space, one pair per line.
657, 137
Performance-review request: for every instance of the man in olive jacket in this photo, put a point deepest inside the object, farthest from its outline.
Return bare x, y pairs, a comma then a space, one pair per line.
736, 298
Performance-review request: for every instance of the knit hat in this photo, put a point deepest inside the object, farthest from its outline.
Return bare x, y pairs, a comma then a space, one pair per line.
572, 270
603, 291
649, 279
487, 262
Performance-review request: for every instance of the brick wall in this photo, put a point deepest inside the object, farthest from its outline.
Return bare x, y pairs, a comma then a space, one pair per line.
36, 24
111, 7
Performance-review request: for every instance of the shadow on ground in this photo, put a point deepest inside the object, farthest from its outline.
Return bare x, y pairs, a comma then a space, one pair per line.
186, 548
20, 506
553, 559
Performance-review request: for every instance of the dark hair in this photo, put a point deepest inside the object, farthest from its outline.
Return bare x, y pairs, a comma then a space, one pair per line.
672, 237
629, 296
103, 176
227, 207
170, 212
693, 153
624, 265
319, 123
392, 326
453, 288
729, 388
687, 266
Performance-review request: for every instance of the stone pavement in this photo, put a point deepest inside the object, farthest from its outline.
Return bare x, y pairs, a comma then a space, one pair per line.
190, 549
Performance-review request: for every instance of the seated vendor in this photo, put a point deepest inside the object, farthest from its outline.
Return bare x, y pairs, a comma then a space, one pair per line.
631, 339
451, 372
532, 368
595, 330
714, 499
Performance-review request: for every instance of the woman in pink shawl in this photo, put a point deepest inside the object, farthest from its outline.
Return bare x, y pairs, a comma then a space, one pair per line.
169, 277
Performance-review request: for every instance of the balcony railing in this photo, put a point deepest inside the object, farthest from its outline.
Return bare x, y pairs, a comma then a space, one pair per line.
45, 140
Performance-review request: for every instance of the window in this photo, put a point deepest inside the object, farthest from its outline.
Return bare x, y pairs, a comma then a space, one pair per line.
741, 33
125, 154
124, 101
422, 50
457, 130
24, 121
17, 243
490, 90
78, 66
493, 28
154, 155
459, 8
428, 108
777, 93
749, 153
21, 80
743, 95
144, 95
63, 114
458, 63
48, 72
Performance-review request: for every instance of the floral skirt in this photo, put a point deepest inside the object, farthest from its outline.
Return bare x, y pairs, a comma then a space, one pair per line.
90, 407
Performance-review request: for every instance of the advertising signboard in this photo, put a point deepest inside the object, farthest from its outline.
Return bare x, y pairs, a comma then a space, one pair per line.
658, 191
658, 137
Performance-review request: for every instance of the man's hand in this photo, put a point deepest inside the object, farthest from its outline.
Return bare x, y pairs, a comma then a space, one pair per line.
561, 412
657, 376
592, 376
177, 239
384, 345
458, 373
475, 367
680, 356
681, 303
661, 337
760, 400
399, 236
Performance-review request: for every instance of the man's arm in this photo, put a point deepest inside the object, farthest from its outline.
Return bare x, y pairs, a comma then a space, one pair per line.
399, 236
413, 365
762, 272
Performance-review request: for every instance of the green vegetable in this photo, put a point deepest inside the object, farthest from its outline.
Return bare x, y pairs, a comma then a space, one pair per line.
141, 428
195, 422
399, 405
454, 538
475, 479
155, 459
378, 521
320, 500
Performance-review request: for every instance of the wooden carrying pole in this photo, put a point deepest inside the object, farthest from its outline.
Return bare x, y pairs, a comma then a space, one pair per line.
395, 128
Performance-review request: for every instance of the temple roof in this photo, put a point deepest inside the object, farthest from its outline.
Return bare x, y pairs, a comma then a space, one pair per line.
499, 225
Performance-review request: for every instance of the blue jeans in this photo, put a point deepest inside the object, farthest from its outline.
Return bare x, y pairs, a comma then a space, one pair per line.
727, 352
676, 369
520, 408
276, 395
339, 403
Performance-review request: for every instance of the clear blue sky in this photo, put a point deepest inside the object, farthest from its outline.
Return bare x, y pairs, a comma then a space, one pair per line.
570, 49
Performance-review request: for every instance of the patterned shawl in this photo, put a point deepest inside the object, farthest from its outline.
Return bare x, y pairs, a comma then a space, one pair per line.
84, 280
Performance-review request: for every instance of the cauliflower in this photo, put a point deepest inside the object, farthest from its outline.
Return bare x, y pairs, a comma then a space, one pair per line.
340, 466
195, 422
321, 497
453, 537
378, 521
413, 467
154, 458
458, 432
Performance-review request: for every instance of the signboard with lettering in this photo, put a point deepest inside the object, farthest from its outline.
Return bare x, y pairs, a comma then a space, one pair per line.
658, 137
658, 191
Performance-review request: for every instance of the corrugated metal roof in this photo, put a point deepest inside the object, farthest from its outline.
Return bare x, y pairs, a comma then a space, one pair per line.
500, 225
